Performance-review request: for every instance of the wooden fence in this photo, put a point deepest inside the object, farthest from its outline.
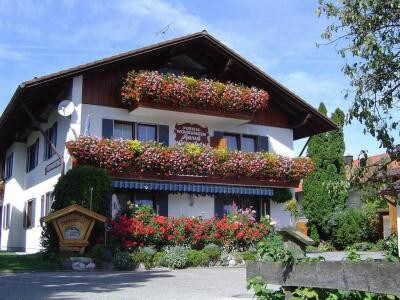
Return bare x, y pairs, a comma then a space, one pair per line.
367, 276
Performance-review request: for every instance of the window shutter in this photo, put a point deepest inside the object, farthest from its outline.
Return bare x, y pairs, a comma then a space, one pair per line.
11, 166
33, 216
24, 214
219, 207
8, 215
218, 134
162, 204
42, 206
262, 143
163, 135
55, 134
108, 128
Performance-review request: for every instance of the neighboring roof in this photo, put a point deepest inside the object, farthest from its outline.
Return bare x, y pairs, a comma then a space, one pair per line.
74, 208
323, 122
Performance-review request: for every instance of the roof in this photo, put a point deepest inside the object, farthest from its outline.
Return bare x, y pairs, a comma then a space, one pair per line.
324, 123
74, 208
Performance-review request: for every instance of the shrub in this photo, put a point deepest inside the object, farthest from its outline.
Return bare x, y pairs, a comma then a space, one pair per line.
196, 258
159, 259
144, 255
249, 256
212, 251
96, 253
353, 226
390, 245
74, 188
237, 256
176, 256
123, 261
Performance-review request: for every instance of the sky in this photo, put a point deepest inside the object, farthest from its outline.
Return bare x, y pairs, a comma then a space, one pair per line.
41, 37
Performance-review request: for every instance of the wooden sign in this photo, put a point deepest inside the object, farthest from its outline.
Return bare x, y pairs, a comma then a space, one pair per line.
191, 133
74, 225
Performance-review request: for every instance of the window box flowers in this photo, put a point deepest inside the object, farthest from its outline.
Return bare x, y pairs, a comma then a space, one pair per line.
186, 92
134, 157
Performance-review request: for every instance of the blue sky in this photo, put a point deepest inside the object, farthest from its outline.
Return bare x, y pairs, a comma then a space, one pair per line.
40, 37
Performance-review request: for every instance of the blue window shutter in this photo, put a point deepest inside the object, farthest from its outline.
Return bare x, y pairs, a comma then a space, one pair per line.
108, 128
219, 206
163, 134
162, 203
219, 134
262, 143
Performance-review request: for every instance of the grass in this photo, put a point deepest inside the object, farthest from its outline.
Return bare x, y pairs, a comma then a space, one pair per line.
26, 262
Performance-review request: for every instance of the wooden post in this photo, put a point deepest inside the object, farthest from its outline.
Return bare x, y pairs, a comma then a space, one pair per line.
398, 223
393, 215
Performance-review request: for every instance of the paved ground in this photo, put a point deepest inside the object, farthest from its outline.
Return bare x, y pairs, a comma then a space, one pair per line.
199, 283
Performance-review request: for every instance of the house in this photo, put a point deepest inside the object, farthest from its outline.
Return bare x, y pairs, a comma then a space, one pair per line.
34, 133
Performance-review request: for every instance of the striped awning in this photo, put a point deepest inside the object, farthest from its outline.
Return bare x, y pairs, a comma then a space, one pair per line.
184, 187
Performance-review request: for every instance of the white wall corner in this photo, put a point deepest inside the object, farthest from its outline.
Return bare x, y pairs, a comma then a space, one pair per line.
75, 127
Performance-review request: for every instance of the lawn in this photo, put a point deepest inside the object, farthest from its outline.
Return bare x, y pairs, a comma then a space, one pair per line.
26, 262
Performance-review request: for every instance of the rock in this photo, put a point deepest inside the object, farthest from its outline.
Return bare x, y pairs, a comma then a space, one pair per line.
232, 263
78, 266
141, 267
90, 266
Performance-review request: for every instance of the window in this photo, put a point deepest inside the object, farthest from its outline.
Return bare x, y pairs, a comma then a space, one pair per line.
29, 213
51, 133
46, 202
142, 199
248, 143
232, 141
7, 216
146, 133
123, 130
32, 156
8, 166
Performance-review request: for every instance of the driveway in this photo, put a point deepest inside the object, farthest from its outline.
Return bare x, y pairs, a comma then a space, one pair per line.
194, 283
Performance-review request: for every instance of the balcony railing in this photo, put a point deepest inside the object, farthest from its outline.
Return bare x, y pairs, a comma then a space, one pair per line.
189, 162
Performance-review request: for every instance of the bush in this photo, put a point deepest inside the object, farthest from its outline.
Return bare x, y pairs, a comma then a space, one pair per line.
144, 255
390, 245
196, 258
123, 261
159, 259
213, 252
96, 253
74, 188
353, 226
176, 256
249, 256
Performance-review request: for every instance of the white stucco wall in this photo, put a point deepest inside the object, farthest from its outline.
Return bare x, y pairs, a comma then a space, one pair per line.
398, 223
190, 205
23, 186
280, 139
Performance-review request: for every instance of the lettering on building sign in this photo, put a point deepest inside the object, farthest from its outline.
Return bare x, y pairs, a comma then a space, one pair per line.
191, 133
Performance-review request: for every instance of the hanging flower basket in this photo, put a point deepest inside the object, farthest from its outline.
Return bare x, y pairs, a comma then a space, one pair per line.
170, 90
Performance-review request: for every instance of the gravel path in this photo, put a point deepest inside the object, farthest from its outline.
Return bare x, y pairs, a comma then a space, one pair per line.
193, 283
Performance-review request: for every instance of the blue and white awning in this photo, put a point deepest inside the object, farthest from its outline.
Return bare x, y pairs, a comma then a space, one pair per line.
184, 187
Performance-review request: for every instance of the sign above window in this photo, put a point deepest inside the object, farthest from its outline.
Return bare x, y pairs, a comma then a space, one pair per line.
191, 133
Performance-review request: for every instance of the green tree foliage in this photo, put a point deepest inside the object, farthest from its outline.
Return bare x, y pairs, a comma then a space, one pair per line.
367, 34
75, 188
325, 190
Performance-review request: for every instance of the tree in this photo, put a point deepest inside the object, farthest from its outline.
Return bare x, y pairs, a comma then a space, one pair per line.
325, 190
367, 34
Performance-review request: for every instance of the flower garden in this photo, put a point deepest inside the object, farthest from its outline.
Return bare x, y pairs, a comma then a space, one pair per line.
183, 91
178, 242
132, 156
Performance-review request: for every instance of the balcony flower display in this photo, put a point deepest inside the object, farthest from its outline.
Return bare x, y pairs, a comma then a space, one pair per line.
183, 91
123, 156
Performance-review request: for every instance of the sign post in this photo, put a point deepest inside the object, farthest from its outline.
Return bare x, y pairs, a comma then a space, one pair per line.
74, 225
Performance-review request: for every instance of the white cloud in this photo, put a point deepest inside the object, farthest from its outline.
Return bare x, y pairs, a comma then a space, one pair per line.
316, 89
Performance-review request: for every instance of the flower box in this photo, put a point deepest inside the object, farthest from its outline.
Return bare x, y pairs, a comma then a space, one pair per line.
183, 92
190, 162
